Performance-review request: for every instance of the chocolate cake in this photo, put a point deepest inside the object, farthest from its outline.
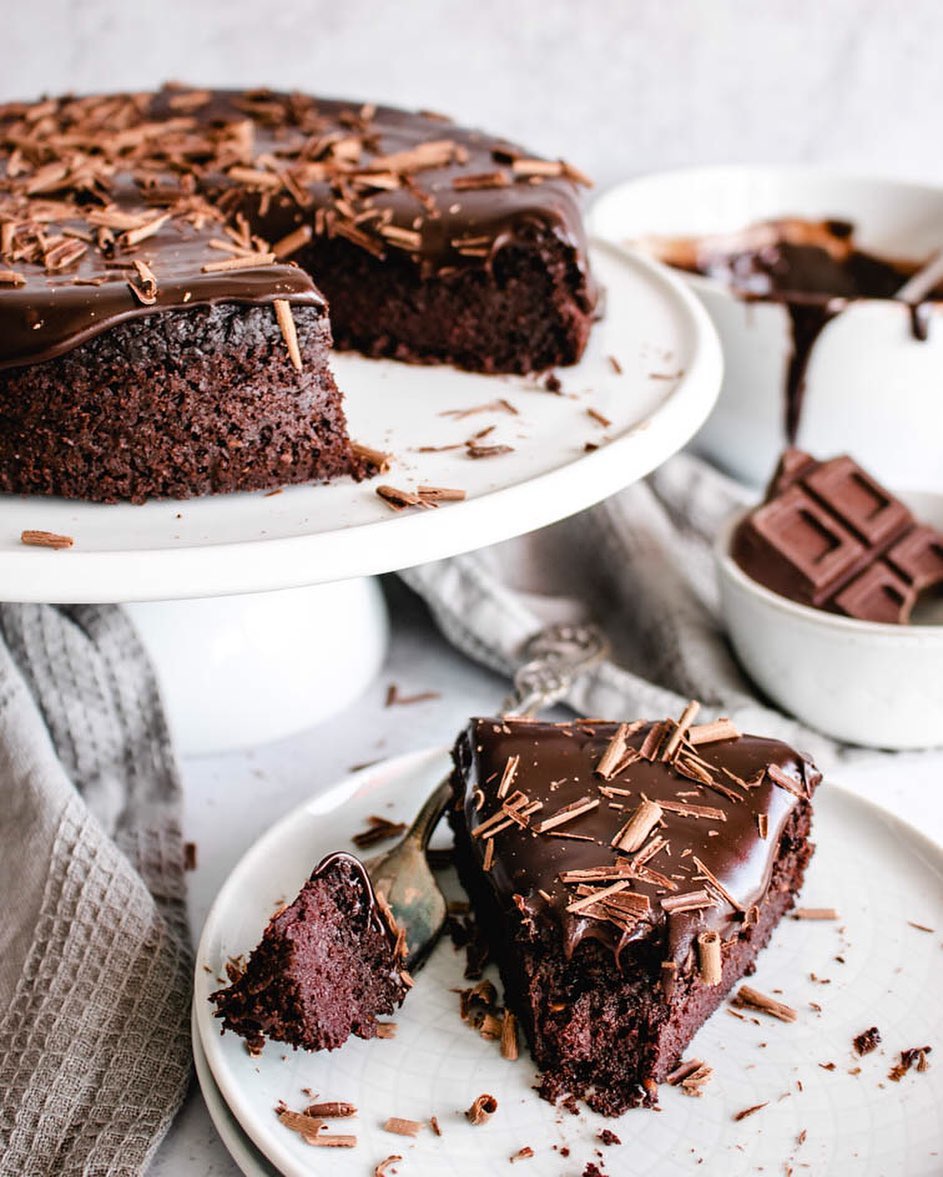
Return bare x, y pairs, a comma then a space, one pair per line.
829, 536
625, 876
328, 965
162, 259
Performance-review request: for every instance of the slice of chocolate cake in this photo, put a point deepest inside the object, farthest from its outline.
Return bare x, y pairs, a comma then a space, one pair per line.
625, 876
328, 965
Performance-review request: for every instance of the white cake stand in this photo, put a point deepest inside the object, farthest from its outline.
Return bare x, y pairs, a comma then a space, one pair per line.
303, 630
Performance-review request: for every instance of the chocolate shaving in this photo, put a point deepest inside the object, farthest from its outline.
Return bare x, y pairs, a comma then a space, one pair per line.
651, 745
688, 901
509, 1048
400, 1127
691, 1076
586, 901
474, 450
599, 418
711, 733
682, 809
679, 730
916, 1054
394, 698
309, 1129
482, 1109
481, 180
286, 323
867, 1041
717, 884
616, 750
785, 781
522, 1154
379, 829
380, 460
757, 1107
332, 1110
507, 777
815, 913
399, 500
753, 999
382, 1168
292, 242
633, 834
441, 494
46, 539
710, 963
567, 813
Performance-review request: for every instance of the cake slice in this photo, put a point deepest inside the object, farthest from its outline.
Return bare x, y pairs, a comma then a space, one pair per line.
328, 965
625, 877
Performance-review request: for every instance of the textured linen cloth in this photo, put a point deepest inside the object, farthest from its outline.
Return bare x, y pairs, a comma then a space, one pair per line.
641, 565
95, 963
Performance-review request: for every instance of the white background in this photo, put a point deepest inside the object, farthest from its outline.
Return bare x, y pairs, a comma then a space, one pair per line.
619, 86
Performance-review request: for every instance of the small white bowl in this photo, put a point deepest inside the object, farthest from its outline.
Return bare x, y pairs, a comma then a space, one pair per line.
872, 390
857, 681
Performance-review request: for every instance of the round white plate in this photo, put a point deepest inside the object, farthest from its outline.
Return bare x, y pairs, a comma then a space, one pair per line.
878, 872
239, 1146
653, 328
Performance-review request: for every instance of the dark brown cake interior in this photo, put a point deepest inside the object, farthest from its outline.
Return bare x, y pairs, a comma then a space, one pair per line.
328, 966
610, 994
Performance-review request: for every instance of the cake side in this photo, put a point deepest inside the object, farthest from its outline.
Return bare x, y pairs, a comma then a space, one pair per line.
177, 404
609, 994
328, 965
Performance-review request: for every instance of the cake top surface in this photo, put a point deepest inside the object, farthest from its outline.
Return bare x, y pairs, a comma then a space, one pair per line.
613, 831
113, 205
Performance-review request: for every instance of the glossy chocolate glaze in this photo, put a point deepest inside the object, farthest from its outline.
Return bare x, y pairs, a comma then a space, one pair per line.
177, 150
813, 268
557, 766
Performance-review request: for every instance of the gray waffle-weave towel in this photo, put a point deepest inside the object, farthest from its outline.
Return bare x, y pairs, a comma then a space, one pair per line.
641, 565
94, 950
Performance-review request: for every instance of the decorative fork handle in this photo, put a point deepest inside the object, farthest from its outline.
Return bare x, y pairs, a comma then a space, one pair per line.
556, 657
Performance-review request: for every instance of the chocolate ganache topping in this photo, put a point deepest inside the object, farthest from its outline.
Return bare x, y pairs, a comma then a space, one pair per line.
115, 206
621, 830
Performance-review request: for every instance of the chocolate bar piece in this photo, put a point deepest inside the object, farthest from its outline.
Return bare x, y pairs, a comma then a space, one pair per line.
828, 535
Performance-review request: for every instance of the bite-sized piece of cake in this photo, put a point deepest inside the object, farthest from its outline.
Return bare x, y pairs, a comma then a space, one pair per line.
828, 535
328, 965
625, 876
161, 258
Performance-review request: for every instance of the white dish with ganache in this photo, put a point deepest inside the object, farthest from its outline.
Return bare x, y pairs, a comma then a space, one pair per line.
866, 383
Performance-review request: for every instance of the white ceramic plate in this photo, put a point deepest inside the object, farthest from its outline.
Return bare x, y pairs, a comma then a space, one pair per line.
877, 871
670, 376
240, 1147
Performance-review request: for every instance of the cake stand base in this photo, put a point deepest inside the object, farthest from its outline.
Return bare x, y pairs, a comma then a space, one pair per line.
242, 670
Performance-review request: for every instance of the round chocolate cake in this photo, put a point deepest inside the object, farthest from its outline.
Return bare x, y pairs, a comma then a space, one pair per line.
173, 267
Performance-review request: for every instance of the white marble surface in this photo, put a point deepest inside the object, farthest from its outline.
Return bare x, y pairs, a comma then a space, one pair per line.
620, 86
231, 799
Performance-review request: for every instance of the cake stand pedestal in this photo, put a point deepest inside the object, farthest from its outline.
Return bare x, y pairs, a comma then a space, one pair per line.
290, 629
239, 671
